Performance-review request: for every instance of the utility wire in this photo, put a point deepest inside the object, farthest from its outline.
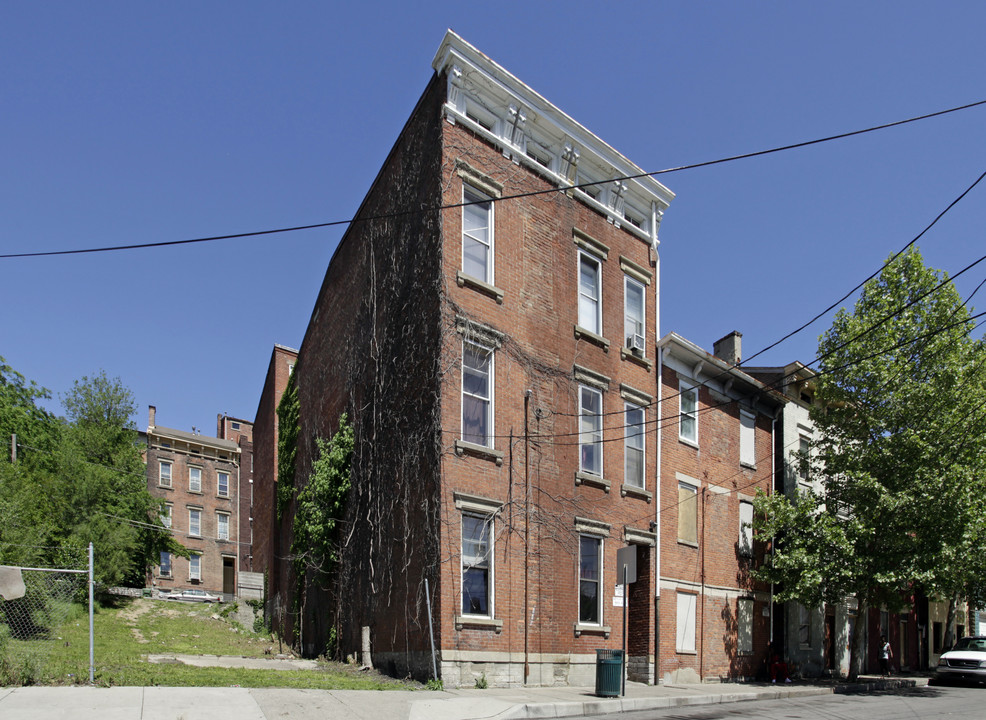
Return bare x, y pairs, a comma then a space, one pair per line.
404, 213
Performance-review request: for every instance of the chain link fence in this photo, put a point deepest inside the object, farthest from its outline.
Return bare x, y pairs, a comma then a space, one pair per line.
34, 603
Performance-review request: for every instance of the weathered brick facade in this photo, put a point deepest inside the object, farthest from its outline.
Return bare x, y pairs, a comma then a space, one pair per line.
489, 324
241, 432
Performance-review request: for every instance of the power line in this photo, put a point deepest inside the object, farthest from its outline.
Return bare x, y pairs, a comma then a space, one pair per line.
404, 213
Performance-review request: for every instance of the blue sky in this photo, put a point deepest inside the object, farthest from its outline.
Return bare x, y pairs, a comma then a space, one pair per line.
128, 123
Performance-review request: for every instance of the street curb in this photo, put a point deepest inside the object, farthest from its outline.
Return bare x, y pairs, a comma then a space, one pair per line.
533, 711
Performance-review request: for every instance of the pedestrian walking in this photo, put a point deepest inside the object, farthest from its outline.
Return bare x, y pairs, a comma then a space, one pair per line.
886, 655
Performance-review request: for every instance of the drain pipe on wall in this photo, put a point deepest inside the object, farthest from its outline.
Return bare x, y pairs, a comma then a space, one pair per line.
770, 491
657, 521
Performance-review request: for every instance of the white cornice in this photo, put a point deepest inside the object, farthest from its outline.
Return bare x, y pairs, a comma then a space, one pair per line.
523, 115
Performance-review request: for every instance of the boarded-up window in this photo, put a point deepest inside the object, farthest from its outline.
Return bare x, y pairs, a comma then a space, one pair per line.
748, 449
746, 528
744, 619
687, 513
685, 629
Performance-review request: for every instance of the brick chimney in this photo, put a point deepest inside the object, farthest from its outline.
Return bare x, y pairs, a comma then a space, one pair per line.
151, 415
729, 348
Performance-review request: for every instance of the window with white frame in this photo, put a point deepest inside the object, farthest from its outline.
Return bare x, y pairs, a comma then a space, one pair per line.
222, 484
164, 473
590, 293
166, 515
195, 567
195, 479
633, 304
590, 579
477, 235
804, 448
477, 394
590, 430
477, 565
195, 522
222, 526
687, 513
633, 446
688, 413
748, 447
165, 566
744, 622
685, 626
746, 527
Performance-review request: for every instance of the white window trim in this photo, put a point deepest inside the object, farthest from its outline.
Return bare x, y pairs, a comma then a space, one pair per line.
600, 444
627, 280
219, 492
685, 484
171, 473
627, 407
687, 387
744, 626
167, 515
219, 525
190, 469
490, 410
745, 530
485, 197
598, 321
197, 534
171, 564
490, 582
600, 557
748, 439
198, 575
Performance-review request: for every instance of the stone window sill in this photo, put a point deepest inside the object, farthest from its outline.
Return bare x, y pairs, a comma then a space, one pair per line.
688, 543
582, 478
581, 629
463, 280
636, 492
480, 623
483, 453
627, 354
582, 333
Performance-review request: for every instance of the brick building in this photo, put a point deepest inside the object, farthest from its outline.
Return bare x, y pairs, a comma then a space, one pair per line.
241, 432
489, 323
198, 477
716, 450
282, 362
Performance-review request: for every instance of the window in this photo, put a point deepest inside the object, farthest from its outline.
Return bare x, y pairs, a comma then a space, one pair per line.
748, 449
165, 564
165, 473
804, 626
234, 425
744, 621
477, 394
687, 513
166, 515
590, 577
477, 235
685, 628
634, 446
222, 526
195, 479
476, 565
633, 309
591, 431
195, 523
590, 296
804, 446
745, 528
195, 567
222, 484
688, 418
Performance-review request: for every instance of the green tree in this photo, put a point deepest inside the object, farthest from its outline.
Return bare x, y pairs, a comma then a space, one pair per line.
894, 374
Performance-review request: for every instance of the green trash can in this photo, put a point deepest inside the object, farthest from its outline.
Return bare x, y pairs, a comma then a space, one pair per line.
609, 673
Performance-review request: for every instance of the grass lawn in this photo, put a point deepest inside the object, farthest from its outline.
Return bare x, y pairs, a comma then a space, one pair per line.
134, 628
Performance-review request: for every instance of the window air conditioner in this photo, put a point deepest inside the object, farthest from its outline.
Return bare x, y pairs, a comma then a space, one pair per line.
636, 344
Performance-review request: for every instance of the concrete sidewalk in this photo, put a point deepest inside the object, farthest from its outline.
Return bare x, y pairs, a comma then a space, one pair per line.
162, 703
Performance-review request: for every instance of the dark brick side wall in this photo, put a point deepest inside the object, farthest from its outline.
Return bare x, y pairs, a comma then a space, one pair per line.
371, 350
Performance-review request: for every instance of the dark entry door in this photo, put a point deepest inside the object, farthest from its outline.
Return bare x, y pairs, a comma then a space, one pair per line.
229, 579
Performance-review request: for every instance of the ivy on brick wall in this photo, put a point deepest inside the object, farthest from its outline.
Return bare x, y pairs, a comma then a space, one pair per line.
322, 503
288, 426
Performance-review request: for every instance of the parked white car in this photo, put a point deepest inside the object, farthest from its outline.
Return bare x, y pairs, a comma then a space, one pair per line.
194, 596
966, 660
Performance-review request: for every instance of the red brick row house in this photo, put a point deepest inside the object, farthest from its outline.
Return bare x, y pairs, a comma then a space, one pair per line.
490, 324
